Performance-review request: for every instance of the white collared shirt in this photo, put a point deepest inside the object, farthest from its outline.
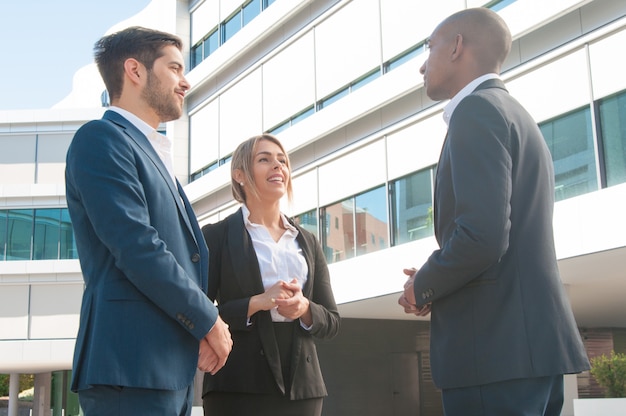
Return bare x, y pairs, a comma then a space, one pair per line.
278, 260
160, 142
467, 90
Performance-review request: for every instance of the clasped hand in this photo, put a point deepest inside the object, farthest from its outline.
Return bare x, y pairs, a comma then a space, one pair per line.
290, 302
215, 348
407, 299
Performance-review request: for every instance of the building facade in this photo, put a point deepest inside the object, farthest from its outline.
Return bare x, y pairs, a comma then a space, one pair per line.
338, 82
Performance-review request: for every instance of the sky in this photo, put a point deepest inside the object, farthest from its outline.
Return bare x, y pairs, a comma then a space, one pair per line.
44, 42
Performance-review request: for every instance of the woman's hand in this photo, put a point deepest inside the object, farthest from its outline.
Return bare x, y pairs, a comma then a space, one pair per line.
296, 306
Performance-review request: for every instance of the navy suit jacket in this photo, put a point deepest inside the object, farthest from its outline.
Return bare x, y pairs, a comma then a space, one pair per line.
499, 309
254, 363
144, 262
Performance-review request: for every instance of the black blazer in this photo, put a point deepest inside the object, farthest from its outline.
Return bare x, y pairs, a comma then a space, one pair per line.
254, 364
499, 309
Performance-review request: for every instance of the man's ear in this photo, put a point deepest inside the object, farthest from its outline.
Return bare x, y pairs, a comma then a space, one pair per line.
458, 46
134, 70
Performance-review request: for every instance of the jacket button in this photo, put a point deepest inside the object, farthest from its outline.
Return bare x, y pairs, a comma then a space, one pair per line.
195, 257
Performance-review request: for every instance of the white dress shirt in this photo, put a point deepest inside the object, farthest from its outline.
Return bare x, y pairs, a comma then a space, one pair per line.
278, 260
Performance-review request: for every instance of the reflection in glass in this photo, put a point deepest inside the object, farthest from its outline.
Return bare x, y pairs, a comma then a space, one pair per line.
68, 244
19, 234
371, 221
3, 235
412, 203
338, 238
613, 122
355, 226
46, 234
570, 141
308, 221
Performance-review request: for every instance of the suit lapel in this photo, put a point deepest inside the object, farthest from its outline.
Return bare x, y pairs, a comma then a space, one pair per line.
248, 275
144, 144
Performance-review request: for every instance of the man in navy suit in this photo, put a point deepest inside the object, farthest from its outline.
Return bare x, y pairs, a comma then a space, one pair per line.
146, 323
502, 330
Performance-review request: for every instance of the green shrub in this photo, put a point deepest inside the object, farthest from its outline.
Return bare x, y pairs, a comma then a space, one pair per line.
610, 373
26, 381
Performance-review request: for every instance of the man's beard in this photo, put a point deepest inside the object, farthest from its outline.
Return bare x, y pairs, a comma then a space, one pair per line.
166, 108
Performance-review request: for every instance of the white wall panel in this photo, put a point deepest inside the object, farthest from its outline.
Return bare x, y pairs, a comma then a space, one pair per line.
304, 193
203, 19
240, 112
608, 67
51, 151
415, 147
227, 7
555, 88
14, 312
350, 174
405, 23
524, 15
204, 133
289, 82
347, 45
55, 310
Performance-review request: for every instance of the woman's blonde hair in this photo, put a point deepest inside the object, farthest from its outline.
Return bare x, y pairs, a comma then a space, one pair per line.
243, 158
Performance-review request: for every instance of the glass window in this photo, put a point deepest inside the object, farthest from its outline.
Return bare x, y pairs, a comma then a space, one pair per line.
338, 241
3, 234
19, 234
396, 62
412, 206
359, 226
328, 101
251, 10
570, 141
211, 43
231, 26
47, 233
308, 221
499, 5
196, 55
68, 243
365, 80
306, 113
613, 127
371, 220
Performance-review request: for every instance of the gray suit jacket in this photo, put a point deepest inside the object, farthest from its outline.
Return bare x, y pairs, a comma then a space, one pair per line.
143, 258
499, 309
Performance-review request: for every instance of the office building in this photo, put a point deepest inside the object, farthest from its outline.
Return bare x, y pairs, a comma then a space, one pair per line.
338, 82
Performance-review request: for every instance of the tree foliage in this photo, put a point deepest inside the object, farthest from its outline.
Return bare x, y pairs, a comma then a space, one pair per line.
26, 382
610, 373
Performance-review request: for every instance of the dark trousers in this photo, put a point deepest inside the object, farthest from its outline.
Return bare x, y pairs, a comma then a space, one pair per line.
128, 401
542, 396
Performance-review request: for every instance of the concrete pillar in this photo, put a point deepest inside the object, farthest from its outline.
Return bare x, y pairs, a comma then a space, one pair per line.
14, 391
41, 397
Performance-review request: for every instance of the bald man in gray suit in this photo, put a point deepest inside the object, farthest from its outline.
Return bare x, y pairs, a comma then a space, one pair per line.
502, 331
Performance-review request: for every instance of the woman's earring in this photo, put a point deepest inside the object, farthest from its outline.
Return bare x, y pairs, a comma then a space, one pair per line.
241, 183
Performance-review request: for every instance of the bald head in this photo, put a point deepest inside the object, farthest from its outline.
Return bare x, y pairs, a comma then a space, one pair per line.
485, 36
465, 46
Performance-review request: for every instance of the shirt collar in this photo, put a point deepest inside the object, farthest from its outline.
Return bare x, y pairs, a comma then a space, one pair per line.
467, 90
246, 219
144, 127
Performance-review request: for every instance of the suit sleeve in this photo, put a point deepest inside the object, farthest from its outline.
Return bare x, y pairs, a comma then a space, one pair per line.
326, 320
109, 181
480, 169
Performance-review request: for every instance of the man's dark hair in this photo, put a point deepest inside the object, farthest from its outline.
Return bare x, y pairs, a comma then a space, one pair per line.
144, 45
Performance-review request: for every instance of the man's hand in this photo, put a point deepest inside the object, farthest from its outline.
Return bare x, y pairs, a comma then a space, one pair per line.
215, 347
407, 299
